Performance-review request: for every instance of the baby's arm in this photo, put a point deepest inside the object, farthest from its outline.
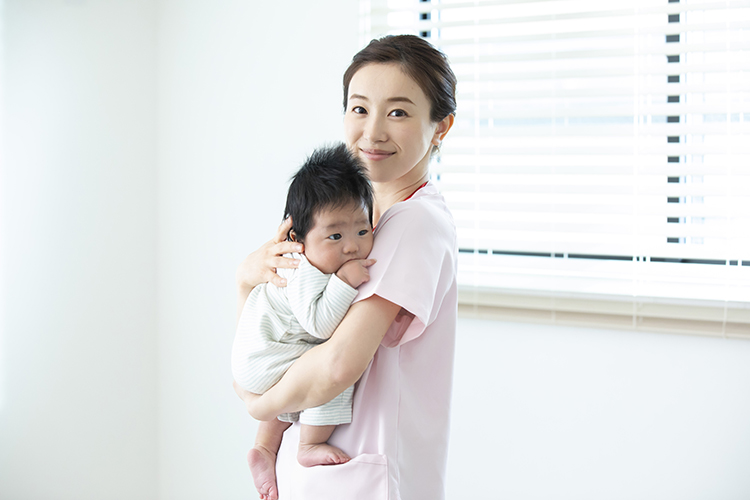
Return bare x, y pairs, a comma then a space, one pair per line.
320, 301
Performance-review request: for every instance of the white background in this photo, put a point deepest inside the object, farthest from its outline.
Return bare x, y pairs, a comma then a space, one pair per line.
146, 147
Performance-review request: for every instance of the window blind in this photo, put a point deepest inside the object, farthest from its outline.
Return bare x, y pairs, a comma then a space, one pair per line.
600, 160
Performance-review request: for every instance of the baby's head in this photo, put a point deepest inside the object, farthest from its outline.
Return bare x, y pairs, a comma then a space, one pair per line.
330, 202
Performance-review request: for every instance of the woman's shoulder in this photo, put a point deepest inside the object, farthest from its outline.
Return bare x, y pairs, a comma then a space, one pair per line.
425, 210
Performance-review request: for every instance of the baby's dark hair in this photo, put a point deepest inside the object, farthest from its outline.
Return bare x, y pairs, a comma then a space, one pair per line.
330, 178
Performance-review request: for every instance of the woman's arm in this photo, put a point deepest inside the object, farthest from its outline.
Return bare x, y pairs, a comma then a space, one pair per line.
260, 266
325, 371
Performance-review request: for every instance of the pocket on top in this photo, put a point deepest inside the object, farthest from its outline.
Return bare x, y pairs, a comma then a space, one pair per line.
365, 477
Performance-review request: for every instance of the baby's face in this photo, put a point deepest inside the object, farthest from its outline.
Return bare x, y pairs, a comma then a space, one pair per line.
338, 236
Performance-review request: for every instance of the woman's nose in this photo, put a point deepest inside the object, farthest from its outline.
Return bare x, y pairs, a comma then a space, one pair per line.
375, 130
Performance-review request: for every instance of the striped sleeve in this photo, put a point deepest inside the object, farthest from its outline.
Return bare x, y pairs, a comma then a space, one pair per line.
318, 301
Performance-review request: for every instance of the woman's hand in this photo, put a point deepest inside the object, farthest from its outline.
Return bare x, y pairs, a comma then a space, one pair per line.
260, 266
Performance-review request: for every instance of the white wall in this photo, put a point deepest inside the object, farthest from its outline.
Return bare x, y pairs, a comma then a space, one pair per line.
246, 92
548, 412
149, 143
78, 401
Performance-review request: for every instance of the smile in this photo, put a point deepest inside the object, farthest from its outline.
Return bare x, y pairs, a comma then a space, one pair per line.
376, 154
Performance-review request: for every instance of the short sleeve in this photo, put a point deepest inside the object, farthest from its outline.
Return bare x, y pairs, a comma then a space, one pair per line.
415, 251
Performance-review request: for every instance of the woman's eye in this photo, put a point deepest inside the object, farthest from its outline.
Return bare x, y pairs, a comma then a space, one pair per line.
397, 113
336, 236
359, 110
363, 232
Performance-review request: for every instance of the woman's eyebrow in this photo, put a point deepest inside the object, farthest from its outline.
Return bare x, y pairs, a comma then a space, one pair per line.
390, 99
400, 99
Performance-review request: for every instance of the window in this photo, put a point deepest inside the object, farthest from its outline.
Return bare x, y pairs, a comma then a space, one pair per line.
599, 168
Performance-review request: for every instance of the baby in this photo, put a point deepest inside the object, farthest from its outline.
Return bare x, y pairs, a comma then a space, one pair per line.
330, 203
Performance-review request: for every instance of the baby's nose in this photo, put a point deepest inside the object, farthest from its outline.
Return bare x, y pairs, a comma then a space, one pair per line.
351, 247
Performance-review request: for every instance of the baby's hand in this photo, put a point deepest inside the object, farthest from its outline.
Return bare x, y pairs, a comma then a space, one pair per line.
355, 272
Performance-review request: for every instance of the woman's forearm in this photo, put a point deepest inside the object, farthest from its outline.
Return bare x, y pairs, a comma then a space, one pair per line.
327, 370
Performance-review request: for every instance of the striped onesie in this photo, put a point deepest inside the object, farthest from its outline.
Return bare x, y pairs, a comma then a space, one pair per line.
278, 325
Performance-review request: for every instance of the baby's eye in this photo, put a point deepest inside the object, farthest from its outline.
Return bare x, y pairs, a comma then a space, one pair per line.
398, 113
363, 232
336, 236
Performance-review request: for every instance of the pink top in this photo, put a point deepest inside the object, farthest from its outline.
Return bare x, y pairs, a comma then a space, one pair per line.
398, 437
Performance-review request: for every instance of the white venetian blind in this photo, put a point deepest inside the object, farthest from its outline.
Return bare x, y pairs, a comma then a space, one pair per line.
601, 150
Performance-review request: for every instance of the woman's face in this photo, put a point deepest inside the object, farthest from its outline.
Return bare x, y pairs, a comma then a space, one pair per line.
387, 124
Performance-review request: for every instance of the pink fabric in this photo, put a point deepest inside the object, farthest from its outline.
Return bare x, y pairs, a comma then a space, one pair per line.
399, 431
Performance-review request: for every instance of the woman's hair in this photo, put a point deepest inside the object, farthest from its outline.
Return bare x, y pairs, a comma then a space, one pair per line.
330, 178
422, 62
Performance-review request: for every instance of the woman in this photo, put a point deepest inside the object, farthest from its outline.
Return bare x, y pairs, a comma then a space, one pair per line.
398, 337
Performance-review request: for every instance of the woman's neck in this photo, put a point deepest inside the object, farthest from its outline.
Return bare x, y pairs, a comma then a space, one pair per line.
387, 194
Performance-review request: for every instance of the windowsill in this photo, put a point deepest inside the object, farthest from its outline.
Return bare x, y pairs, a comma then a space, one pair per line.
693, 317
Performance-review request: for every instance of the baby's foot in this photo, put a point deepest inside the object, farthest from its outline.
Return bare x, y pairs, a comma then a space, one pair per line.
310, 455
262, 464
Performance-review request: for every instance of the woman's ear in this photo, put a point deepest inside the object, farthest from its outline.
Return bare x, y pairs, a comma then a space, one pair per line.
292, 236
442, 129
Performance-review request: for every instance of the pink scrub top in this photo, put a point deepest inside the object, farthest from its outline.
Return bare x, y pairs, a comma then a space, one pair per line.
398, 437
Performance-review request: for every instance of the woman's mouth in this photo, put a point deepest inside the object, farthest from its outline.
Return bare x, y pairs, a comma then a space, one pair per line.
376, 154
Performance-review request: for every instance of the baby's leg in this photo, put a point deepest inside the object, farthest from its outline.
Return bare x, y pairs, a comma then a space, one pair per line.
262, 457
313, 448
